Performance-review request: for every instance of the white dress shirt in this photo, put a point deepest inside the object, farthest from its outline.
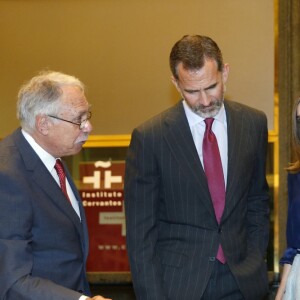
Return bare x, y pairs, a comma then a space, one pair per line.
219, 127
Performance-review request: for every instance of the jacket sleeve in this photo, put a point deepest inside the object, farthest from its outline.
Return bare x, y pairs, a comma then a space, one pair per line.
16, 240
288, 256
258, 197
141, 204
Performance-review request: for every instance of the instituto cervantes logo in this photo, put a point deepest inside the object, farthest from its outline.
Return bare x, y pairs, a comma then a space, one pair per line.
101, 190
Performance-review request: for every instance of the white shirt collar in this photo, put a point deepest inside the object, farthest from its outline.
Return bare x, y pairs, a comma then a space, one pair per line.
194, 119
46, 158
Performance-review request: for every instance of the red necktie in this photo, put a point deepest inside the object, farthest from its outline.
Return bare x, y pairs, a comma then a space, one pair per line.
214, 174
62, 177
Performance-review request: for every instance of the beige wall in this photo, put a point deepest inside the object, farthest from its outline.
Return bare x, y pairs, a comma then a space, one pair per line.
120, 50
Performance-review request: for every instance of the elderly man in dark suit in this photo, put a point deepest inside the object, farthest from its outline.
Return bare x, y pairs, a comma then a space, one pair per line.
43, 230
196, 194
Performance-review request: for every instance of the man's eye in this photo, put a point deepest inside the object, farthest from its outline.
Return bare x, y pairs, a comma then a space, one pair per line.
78, 120
211, 87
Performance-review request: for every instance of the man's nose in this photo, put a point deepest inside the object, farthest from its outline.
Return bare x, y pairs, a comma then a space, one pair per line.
204, 99
88, 127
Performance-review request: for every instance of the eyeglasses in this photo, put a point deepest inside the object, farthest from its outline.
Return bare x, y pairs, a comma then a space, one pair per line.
80, 124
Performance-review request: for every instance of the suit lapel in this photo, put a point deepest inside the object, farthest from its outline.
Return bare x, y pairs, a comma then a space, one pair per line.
82, 213
179, 138
44, 179
180, 141
235, 124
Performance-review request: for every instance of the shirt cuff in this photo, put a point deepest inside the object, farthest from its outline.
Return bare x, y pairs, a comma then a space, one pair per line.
83, 297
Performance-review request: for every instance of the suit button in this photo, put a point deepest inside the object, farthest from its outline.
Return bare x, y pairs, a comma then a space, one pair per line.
220, 230
212, 258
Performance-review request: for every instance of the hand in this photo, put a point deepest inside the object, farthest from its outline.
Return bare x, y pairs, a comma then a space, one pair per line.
99, 298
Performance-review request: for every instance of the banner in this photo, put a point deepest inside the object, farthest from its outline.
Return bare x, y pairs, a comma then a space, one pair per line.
101, 191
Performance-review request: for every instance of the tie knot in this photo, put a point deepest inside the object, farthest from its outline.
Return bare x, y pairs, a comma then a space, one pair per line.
59, 167
61, 176
208, 122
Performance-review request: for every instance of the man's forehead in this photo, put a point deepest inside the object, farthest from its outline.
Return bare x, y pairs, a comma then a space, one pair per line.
75, 103
199, 77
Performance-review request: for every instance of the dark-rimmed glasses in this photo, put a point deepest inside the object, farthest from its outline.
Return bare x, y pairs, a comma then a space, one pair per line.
80, 124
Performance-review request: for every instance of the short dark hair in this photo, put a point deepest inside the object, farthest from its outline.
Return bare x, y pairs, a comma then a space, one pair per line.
192, 50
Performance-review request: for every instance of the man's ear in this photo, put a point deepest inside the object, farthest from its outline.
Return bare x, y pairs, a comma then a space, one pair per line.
225, 72
175, 82
42, 124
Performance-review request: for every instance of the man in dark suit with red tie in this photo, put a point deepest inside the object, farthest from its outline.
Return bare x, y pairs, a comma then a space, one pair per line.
43, 230
196, 196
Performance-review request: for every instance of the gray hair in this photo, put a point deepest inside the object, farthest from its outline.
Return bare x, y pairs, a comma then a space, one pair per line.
41, 95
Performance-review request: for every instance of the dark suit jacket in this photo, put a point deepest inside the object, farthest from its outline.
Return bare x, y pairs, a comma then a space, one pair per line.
43, 244
172, 232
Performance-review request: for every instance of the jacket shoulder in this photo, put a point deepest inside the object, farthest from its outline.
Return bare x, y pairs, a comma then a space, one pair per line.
240, 107
171, 114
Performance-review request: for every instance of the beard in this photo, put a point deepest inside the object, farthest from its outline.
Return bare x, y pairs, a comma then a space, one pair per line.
208, 111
